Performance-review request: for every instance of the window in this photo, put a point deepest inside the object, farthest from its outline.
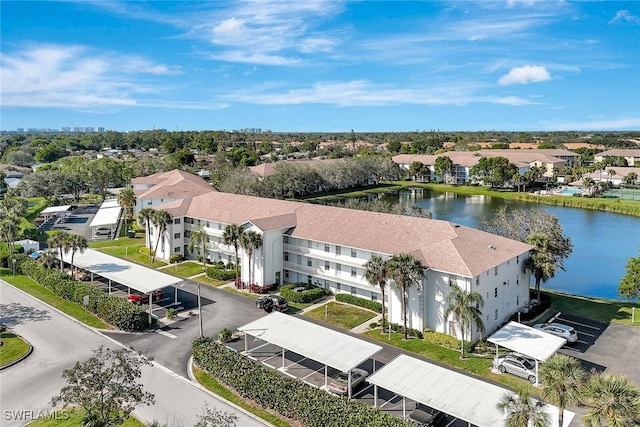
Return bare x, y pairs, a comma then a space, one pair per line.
517, 259
176, 236
477, 281
353, 253
495, 270
495, 292
286, 275
149, 203
187, 233
374, 297
517, 299
286, 256
353, 290
338, 267
286, 239
326, 265
517, 280
496, 315
219, 226
309, 263
353, 272
326, 247
338, 286
176, 249
309, 244
176, 221
338, 250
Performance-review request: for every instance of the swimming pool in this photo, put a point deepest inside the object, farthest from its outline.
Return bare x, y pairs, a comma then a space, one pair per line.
569, 191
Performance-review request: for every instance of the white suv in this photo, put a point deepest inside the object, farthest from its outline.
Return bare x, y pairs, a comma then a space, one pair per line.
563, 331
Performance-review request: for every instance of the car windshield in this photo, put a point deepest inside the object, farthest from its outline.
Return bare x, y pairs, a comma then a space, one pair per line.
528, 364
343, 378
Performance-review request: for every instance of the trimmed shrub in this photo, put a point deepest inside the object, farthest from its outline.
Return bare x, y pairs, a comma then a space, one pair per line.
218, 273
446, 341
309, 294
396, 327
360, 302
175, 258
112, 309
290, 397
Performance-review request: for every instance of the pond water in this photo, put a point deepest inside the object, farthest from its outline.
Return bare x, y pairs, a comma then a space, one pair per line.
602, 241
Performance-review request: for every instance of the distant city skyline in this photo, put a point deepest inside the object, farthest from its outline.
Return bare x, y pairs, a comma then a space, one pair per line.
321, 65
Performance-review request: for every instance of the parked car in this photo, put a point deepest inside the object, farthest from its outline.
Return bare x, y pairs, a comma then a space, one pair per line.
425, 416
272, 302
563, 331
516, 364
340, 384
144, 298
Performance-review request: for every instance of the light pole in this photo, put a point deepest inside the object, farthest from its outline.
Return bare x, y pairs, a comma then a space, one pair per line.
13, 269
200, 310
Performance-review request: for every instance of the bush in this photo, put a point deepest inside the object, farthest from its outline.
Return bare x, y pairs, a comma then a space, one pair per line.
112, 309
225, 335
175, 259
218, 273
396, 327
290, 397
144, 250
311, 293
360, 302
447, 341
171, 313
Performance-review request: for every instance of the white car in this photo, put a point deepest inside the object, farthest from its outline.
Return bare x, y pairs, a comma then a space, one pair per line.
563, 331
340, 384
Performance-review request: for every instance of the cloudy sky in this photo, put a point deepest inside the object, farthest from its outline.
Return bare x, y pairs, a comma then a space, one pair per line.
317, 65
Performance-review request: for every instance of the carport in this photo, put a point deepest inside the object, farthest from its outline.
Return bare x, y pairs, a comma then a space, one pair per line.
63, 211
324, 345
132, 275
527, 341
107, 216
462, 396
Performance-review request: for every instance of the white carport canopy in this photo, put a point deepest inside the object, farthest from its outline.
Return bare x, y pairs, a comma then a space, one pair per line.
130, 274
52, 210
462, 396
324, 345
106, 216
528, 341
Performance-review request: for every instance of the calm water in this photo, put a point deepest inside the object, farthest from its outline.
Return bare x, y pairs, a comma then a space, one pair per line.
602, 241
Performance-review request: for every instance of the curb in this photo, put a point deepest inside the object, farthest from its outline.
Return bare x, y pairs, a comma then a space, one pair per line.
21, 358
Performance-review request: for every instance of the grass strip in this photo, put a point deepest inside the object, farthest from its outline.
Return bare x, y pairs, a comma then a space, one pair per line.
211, 282
72, 417
45, 295
214, 386
13, 348
185, 269
341, 315
607, 311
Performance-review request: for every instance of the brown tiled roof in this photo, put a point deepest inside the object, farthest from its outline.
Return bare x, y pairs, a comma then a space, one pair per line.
620, 152
267, 169
441, 245
175, 184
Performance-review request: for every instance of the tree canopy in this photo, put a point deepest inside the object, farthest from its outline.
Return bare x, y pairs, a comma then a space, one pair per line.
630, 284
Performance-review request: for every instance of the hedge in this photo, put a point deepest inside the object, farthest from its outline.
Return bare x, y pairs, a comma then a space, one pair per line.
289, 397
447, 341
114, 310
220, 273
310, 294
360, 302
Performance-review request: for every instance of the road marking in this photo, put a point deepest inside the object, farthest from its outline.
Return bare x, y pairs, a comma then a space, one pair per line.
312, 372
388, 401
584, 333
166, 334
582, 342
578, 323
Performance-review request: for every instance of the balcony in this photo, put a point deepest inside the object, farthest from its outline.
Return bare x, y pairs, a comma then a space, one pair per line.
320, 273
347, 260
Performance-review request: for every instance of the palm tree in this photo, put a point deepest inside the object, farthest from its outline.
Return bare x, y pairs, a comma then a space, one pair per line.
144, 219
406, 271
465, 308
522, 410
377, 273
231, 236
541, 263
77, 243
127, 199
199, 237
250, 240
47, 258
161, 219
588, 182
612, 400
561, 377
59, 240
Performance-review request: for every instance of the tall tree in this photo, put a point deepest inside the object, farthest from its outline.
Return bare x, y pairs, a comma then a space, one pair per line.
105, 386
443, 167
495, 171
199, 239
630, 284
377, 273
250, 240
612, 401
60, 241
465, 308
127, 199
12, 209
160, 220
541, 262
76, 243
407, 271
231, 236
561, 377
522, 410
144, 218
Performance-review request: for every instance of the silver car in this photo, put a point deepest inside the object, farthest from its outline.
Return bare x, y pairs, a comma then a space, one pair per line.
558, 329
516, 365
339, 385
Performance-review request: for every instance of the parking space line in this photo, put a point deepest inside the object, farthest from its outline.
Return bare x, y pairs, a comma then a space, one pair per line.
353, 396
312, 372
582, 342
166, 334
578, 323
584, 333
394, 396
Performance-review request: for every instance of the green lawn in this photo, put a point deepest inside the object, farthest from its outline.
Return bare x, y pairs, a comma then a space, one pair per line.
13, 348
211, 282
72, 417
606, 311
185, 269
214, 386
341, 315
128, 249
43, 294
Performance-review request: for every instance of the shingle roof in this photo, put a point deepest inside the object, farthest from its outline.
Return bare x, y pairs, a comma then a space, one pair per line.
441, 245
267, 169
175, 184
620, 152
471, 158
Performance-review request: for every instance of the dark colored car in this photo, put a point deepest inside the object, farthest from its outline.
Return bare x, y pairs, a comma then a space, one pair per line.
425, 416
272, 302
144, 298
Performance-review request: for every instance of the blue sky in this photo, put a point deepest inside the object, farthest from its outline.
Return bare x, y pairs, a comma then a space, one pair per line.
321, 66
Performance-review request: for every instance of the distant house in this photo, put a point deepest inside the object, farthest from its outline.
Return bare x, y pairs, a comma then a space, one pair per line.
632, 156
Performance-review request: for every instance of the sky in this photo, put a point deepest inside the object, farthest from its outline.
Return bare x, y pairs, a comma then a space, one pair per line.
321, 66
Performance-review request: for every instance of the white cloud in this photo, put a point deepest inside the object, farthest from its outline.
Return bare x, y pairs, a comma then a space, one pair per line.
524, 75
631, 123
626, 16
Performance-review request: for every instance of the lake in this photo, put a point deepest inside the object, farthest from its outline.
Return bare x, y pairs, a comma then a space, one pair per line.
602, 241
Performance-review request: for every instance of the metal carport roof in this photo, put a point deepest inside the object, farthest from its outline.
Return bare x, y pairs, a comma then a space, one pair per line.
128, 273
55, 209
106, 217
526, 340
324, 345
462, 396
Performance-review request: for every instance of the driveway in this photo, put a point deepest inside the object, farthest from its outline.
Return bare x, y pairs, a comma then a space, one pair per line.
58, 343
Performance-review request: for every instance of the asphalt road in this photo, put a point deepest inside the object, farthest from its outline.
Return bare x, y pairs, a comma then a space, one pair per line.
26, 388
